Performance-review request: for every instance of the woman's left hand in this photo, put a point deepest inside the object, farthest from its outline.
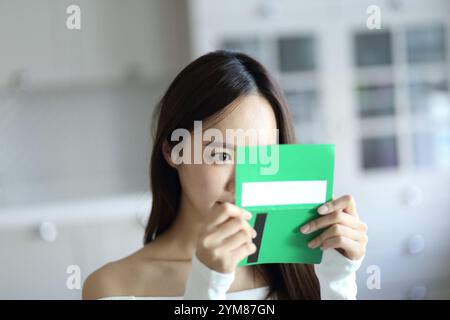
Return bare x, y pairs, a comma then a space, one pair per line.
344, 232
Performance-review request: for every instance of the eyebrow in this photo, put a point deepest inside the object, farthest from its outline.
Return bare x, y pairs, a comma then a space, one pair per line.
221, 144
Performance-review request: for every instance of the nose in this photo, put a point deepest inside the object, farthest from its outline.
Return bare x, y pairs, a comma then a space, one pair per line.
231, 184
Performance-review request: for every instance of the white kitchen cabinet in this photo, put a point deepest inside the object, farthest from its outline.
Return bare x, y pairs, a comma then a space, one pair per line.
381, 96
117, 39
89, 235
75, 105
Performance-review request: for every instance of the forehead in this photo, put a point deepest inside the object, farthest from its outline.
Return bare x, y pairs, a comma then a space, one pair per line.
249, 113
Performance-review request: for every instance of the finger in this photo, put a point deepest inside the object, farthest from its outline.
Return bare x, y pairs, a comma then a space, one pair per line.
227, 210
235, 241
353, 249
345, 203
336, 230
232, 226
334, 218
243, 251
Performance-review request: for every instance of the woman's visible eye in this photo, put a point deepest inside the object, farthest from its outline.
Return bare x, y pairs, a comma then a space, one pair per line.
221, 157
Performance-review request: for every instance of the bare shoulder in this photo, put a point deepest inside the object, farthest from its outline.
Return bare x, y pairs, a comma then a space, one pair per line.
103, 282
139, 274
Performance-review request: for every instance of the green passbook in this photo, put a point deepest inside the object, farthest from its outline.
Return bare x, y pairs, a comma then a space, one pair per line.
282, 185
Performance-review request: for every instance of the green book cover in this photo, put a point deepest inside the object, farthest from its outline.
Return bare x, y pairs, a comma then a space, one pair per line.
282, 186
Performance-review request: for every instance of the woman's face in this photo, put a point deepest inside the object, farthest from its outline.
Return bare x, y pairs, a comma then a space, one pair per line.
203, 185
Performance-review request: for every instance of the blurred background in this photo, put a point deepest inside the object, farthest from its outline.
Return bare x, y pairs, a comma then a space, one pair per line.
75, 125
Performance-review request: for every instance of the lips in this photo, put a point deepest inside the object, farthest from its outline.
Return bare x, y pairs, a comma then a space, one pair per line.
230, 201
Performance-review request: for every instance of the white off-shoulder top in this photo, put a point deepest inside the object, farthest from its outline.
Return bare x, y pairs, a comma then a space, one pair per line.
336, 274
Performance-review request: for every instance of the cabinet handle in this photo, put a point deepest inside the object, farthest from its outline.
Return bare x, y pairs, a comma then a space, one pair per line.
48, 231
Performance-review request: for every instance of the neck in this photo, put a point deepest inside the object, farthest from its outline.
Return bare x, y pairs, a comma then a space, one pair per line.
182, 235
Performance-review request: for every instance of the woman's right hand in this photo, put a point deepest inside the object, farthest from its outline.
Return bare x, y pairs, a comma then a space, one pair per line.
225, 238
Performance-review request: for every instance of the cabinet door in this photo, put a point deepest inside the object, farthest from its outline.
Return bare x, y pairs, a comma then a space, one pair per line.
26, 39
33, 268
117, 39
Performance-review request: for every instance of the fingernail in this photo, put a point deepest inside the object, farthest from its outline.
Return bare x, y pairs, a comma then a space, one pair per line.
322, 209
305, 228
248, 215
312, 244
254, 234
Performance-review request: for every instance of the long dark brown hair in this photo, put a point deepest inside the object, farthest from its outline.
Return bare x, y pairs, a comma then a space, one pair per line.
201, 91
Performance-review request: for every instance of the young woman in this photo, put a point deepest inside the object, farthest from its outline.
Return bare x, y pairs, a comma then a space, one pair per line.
196, 236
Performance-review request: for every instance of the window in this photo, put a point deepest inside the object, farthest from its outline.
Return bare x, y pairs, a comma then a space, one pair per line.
404, 115
297, 54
